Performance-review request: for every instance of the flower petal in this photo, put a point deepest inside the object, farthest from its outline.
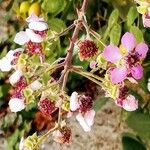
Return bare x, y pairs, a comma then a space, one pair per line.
33, 36
38, 26
117, 75
137, 71
74, 105
16, 104
89, 117
35, 85
5, 64
14, 78
128, 41
130, 104
83, 123
146, 20
111, 53
33, 18
142, 50
21, 38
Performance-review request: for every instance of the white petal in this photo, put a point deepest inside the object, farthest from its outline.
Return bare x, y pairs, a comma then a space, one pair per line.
9, 55
89, 117
14, 78
16, 104
33, 18
5, 64
33, 36
21, 144
148, 85
74, 105
83, 123
35, 85
38, 26
18, 50
21, 38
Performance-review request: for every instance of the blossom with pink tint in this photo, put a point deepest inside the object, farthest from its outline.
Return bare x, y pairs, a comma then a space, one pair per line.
93, 64
36, 23
86, 120
15, 77
129, 61
9, 61
146, 18
35, 85
130, 103
16, 104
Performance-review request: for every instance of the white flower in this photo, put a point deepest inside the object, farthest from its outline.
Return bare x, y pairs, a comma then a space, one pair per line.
74, 105
86, 120
148, 85
16, 104
21, 144
36, 23
5, 62
24, 37
130, 103
35, 85
15, 77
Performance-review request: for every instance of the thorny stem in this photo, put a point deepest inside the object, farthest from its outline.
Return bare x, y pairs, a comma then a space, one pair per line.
68, 59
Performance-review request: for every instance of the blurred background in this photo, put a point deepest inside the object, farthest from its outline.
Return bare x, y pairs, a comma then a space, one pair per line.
114, 129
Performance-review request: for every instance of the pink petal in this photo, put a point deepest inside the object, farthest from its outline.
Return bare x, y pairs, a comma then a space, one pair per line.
33, 36
142, 50
146, 20
117, 75
130, 104
33, 18
74, 105
89, 117
111, 53
128, 41
21, 38
137, 71
83, 123
38, 26
93, 64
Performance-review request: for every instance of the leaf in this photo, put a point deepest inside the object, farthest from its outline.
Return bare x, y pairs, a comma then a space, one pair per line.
4, 90
115, 34
140, 123
132, 143
56, 24
100, 103
132, 15
137, 33
54, 6
113, 18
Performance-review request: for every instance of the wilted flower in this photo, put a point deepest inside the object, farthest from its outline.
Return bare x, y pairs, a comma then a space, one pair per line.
16, 104
87, 49
46, 106
127, 58
63, 135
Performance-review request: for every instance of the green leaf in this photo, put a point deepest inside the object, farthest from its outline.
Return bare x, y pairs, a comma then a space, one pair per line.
137, 33
132, 143
4, 90
100, 103
56, 24
54, 6
131, 16
140, 123
115, 34
113, 18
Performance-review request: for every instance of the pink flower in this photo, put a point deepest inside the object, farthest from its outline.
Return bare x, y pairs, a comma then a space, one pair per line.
86, 120
130, 103
146, 18
129, 61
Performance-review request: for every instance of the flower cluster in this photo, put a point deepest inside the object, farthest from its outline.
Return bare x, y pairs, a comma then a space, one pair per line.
144, 9
31, 38
125, 63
